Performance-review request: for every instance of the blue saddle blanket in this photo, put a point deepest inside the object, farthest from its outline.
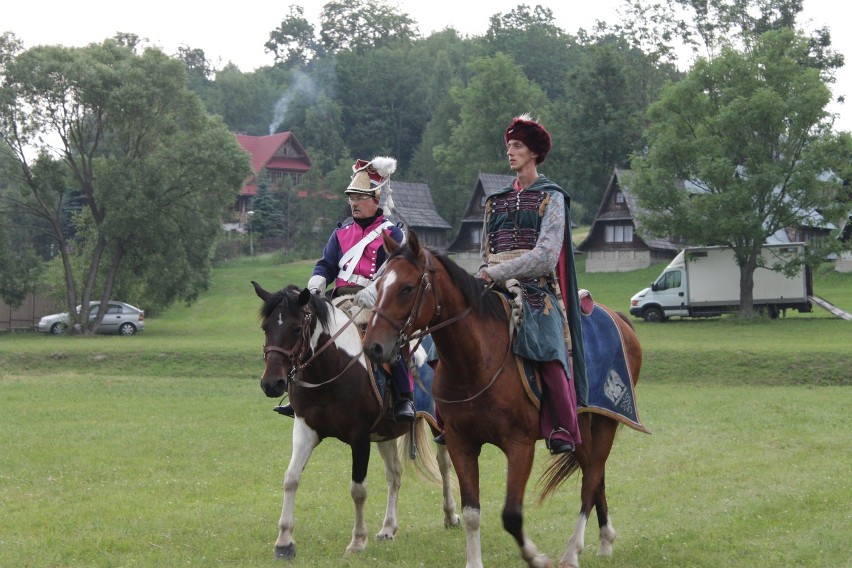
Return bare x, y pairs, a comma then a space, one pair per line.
610, 384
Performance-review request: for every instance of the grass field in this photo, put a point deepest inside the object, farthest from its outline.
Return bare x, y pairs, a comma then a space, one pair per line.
161, 450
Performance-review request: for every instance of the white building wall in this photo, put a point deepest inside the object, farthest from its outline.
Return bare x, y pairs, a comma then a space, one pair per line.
844, 263
617, 260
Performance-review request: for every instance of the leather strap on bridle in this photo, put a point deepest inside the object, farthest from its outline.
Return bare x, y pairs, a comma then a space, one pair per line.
424, 286
304, 341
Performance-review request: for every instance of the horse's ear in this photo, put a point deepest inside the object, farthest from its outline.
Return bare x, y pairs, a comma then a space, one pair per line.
413, 243
390, 244
261, 293
304, 297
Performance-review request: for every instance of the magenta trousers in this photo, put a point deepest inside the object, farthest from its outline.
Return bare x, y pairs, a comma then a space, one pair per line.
558, 417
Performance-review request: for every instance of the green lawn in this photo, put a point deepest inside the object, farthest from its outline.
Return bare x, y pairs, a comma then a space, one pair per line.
161, 450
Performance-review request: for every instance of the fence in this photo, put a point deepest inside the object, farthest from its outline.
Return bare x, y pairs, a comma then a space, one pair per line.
28, 313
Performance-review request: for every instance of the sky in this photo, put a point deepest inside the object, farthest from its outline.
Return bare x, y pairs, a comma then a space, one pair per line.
227, 34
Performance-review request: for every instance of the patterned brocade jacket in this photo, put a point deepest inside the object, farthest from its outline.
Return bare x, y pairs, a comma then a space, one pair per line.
525, 233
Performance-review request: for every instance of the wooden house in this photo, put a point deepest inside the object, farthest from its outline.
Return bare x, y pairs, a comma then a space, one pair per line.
274, 158
412, 205
465, 246
614, 243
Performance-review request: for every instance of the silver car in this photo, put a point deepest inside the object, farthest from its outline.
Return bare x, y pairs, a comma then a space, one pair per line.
119, 318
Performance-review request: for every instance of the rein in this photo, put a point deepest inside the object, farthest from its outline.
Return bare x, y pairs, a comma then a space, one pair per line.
424, 286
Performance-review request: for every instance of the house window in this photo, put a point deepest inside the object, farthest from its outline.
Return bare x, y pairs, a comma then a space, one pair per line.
619, 233
476, 236
619, 197
296, 178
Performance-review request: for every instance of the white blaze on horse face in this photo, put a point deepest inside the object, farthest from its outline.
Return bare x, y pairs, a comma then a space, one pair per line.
388, 280
280, 319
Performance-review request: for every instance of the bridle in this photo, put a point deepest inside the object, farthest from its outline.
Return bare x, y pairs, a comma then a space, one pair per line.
298, 354
424, 286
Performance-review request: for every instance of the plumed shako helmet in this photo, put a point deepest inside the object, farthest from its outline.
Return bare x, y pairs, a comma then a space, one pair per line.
369, 178
532, 134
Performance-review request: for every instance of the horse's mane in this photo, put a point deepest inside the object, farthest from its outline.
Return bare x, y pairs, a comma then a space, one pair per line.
288, 298
471, 288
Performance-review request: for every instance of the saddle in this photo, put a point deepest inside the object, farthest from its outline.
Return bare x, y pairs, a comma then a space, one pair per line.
380, 374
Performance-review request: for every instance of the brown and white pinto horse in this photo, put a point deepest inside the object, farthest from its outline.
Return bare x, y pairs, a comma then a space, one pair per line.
313, 350
480, 395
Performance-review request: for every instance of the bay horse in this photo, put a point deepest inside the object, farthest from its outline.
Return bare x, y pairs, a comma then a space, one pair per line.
313, 351
480, 395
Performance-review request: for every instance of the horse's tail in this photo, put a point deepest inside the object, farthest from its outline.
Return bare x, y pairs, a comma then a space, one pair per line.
425, 464
561, 468
626, 319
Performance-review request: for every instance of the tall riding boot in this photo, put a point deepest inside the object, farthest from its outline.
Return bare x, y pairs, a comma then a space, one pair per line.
403, 407
558, 418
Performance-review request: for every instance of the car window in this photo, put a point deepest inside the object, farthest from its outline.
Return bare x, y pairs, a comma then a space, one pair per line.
114, 310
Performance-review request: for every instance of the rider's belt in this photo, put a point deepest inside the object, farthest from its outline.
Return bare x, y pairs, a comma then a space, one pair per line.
359, 280
498, 257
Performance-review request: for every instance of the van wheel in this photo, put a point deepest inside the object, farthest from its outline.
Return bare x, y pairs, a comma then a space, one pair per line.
653, 315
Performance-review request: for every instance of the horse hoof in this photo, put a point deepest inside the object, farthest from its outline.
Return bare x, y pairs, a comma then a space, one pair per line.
452, 522
286, 552
384, 536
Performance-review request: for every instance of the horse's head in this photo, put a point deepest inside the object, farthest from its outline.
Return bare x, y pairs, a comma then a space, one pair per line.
288, 319
406, 299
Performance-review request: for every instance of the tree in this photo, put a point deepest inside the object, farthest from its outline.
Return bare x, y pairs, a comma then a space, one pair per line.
20, 267
356, 25
497, 92
293, 42
123, 130
535, 43
750, 132
599, 118
361, 25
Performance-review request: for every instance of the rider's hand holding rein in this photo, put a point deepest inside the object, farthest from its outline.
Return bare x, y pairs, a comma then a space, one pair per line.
316, 284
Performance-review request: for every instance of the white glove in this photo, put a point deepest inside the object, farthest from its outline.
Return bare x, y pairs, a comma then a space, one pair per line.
366, 298
316, 284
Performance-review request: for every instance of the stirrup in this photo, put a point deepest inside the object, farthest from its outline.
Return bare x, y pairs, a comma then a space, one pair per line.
286, 410
559, 446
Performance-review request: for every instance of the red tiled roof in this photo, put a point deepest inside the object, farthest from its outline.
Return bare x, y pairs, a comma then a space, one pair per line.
262, 150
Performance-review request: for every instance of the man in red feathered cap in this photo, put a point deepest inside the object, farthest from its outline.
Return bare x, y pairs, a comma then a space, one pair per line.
527, 238
353, 256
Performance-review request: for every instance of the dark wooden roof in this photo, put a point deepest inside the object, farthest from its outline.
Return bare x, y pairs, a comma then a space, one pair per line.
412, 205
621, 181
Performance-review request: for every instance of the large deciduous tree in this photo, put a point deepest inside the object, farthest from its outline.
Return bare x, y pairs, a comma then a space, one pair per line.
750, 131
121, 129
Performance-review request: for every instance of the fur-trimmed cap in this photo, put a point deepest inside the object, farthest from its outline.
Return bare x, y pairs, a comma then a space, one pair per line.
368, 178
532, 134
